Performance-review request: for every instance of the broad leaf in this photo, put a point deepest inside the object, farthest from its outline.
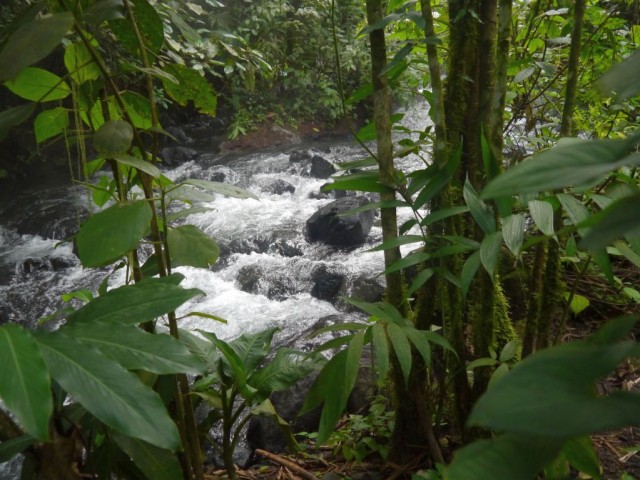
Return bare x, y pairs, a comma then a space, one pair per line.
422, 278
25, 386
138, 163
552, 393
156, 463
469, 270
513, 457
618, 220
113, 138
480, 211
32, 42
137, 303
136, 349
191, 86
104, 10
571, 162
50, 123
149, 25
368, 181
188, 245
333, 386
581, 454
38, 85
490, 252
441, 214
397, 242
113, 395
203, 349
11, 448
542, 214
513, 232
401, 348
286, 368
109, 235
622, 79
80, 64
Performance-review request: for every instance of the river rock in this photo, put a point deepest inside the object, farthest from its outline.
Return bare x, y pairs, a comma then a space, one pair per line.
321, 167
174, 156
254, 279
326, 284
363, 287
340, 231
297, 156
278, 187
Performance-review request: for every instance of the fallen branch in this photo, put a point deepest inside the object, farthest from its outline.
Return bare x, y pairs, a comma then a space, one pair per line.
294, 467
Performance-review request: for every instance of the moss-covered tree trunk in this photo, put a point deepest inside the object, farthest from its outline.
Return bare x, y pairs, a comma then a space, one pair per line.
413, 418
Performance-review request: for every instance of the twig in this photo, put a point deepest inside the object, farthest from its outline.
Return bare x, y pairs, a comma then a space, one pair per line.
297, 469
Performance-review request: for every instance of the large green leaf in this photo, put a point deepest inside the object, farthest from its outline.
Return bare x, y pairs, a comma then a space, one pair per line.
104, 10
490, 252
191, 86
542, 214
156, 463
618, 220
401, 348
368, 181
113, 138
286, 368
38, 85
622, 79
109, 235
50, 123
513, 232
469, 270
203, 349
480, 211
188, 245
333, 386
25, 386
139, 164
137, 303
32, 42
149, 25
135, 349
80, 64
11, 448
552, 393
571, 162
251, 348
113, 395
380, 350
512, 457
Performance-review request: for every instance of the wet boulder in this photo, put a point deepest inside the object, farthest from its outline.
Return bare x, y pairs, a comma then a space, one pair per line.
174, 156
277, 187
326, 225
321, 167
297, 156
326, 284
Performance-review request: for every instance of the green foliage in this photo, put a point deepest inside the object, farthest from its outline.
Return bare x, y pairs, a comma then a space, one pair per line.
240, 378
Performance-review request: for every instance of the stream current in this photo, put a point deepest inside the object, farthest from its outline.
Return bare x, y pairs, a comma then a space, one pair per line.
268, 272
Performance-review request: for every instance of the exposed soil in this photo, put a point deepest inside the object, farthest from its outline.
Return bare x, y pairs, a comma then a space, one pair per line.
270, 134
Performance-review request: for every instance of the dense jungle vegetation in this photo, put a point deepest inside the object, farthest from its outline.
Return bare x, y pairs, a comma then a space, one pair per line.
525, 217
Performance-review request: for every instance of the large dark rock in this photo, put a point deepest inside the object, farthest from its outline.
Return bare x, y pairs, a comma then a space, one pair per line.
278, 187
321, 167
297, 156
257, 280
326, 284
264, 433
174, 156
340, 231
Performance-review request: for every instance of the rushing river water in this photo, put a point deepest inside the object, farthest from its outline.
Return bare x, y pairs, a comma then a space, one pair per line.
268, 273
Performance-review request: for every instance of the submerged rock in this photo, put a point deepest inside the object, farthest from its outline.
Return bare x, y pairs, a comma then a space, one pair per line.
174, 156
326, 284
326, 225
